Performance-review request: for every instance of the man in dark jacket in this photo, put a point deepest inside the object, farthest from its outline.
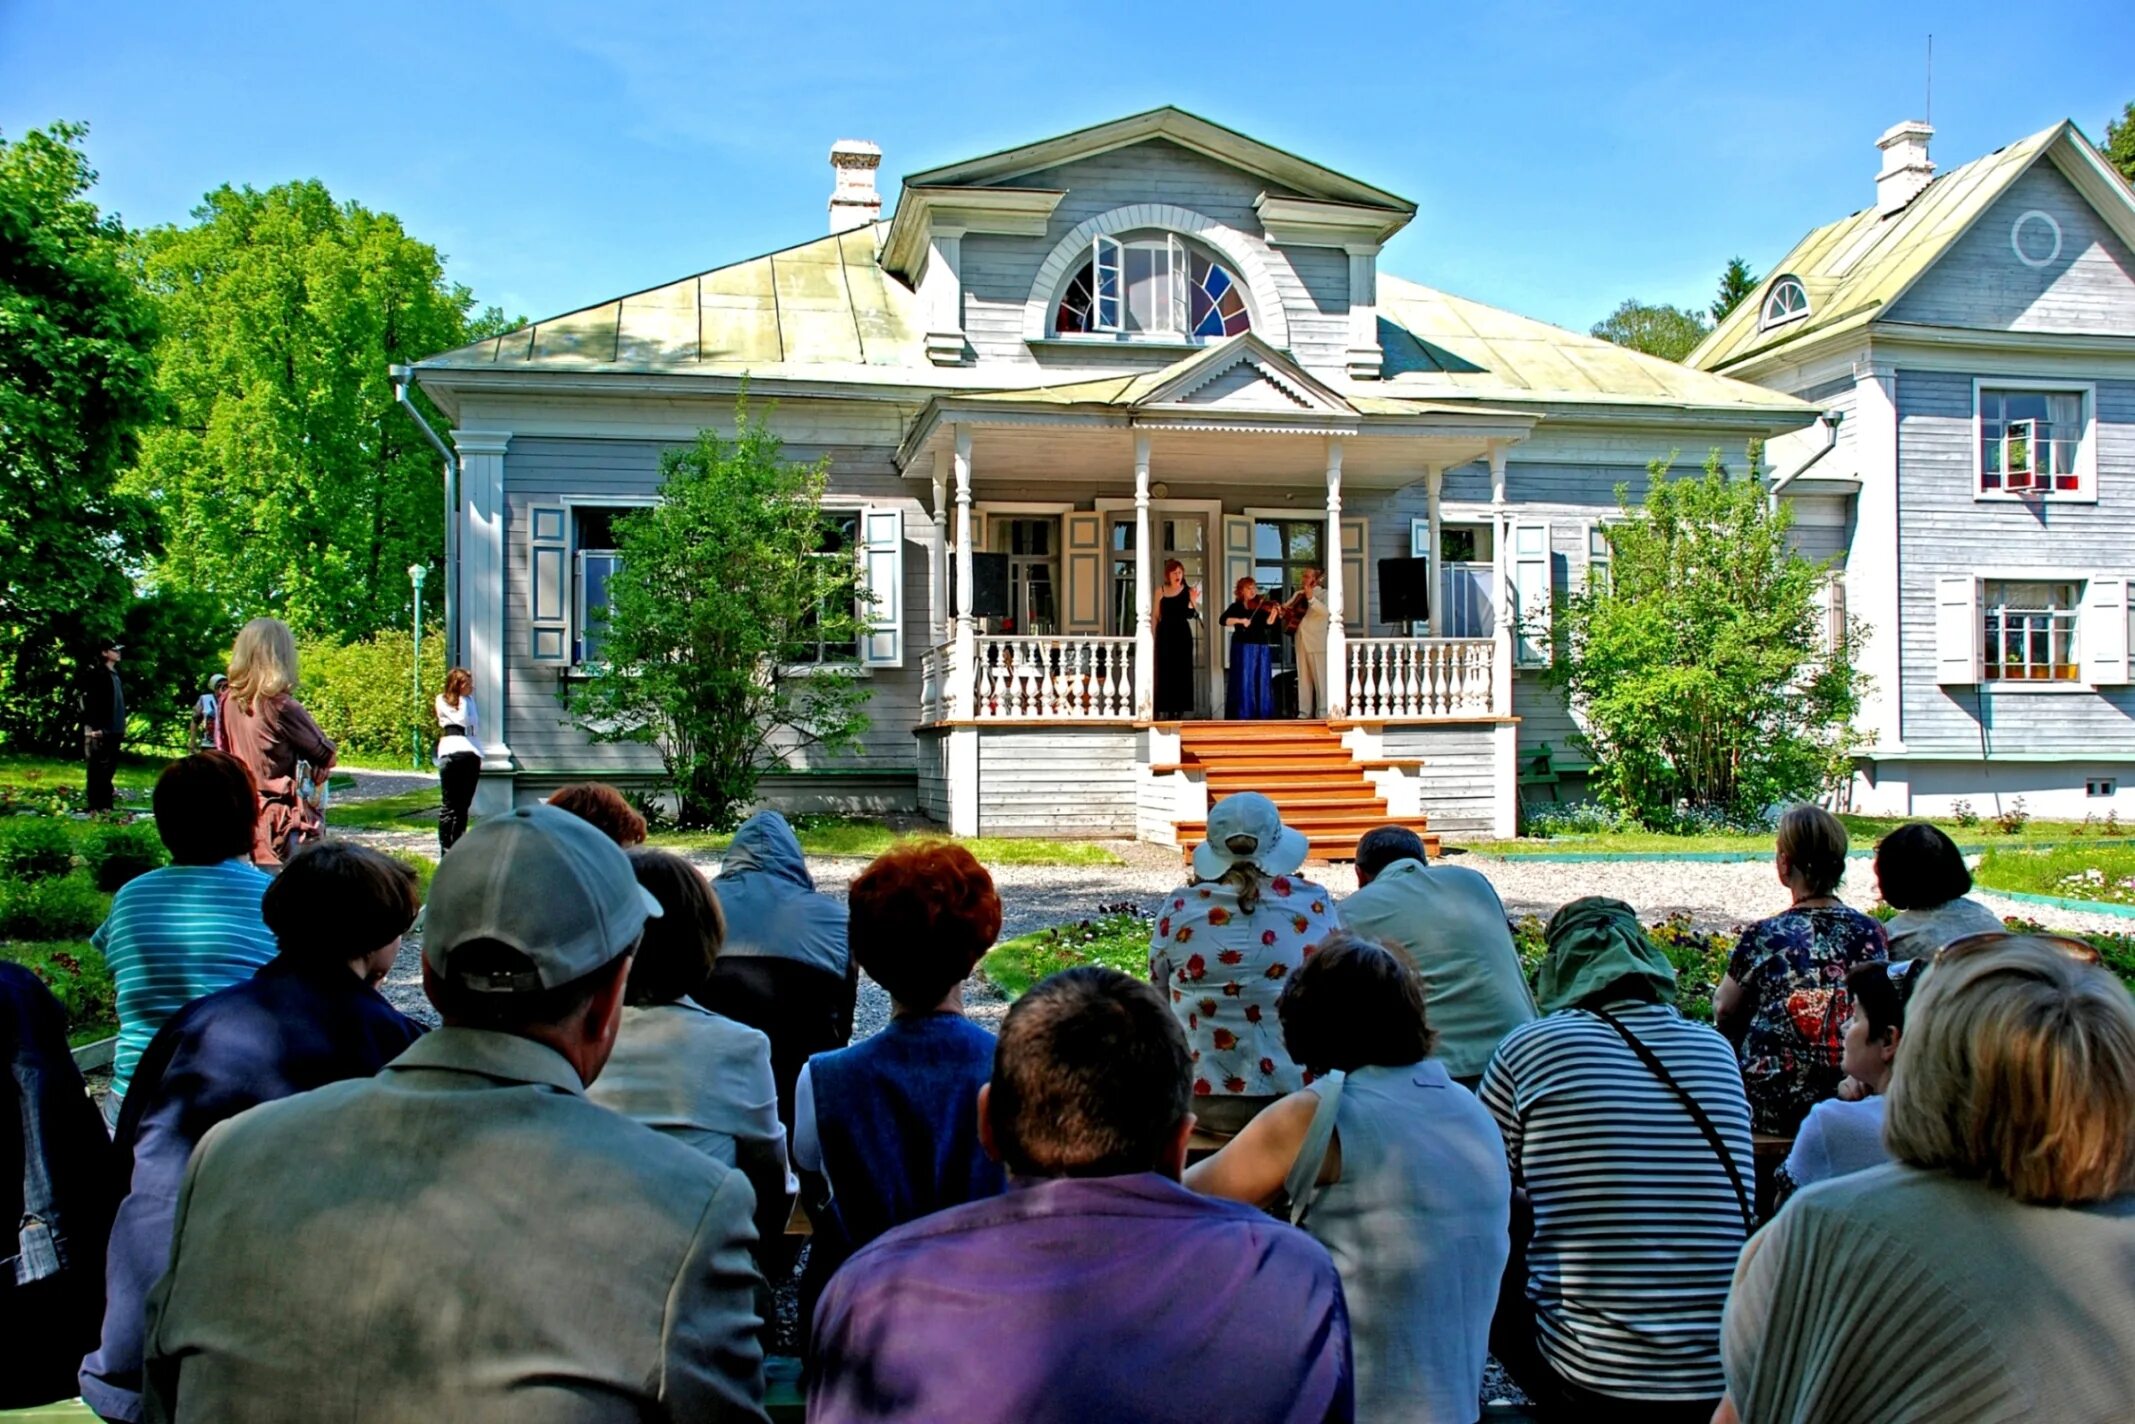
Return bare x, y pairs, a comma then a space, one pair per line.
311, 1016
103, 724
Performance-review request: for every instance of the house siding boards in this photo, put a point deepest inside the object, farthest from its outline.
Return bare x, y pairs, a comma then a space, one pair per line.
1943, 530
2089, 287
1057, 781
1459, 773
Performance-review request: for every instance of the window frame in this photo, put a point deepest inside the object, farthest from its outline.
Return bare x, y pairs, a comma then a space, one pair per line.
2078, 586
1765, 320
1109, 252
855, 659
2086, 458
574, 603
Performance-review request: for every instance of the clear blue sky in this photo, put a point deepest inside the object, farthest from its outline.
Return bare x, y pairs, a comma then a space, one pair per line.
1562, 157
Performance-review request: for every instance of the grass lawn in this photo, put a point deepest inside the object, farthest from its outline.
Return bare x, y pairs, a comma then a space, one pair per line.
77, 977
1116, 941
2077, 872
864, 839
403, 811
1864, 831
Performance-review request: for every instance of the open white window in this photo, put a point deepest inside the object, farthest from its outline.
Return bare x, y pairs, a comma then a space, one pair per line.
2035, 441
1154, 286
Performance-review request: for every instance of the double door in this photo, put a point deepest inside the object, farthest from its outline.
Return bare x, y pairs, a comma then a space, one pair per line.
1175, 534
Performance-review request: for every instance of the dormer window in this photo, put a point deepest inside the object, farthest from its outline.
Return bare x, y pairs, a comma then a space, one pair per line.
1151, 286
1787, 301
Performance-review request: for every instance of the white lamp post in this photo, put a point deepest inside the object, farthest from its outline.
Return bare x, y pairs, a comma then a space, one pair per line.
415, 736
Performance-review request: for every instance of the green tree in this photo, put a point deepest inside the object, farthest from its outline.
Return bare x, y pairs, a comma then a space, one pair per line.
1736, 282
76, 383
287, 482
2120, 142
1700, 666
725, 624
1670, 333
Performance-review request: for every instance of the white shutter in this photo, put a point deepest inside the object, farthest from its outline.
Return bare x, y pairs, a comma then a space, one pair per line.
2102, 632
1356, 612
1237, 564
1420, 539
1085, 601
548, 583
1108, 288
1958, 630
882, 579
1533, 594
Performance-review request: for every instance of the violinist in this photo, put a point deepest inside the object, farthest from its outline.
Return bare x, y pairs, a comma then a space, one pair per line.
1306, 616
1255, 623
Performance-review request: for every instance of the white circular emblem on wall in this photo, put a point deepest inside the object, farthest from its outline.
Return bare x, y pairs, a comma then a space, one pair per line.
2036, 238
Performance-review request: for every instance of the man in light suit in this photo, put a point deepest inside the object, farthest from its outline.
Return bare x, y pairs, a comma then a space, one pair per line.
465, 1236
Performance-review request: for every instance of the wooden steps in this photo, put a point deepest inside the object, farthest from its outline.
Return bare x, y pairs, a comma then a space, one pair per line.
1315, 782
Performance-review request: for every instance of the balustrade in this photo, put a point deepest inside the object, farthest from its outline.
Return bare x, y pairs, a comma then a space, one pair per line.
1070, 678
1446, 678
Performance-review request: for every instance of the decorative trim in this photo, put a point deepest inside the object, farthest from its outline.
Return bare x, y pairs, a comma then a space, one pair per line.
2016, 233
1310, 222
924, 209
1270, 322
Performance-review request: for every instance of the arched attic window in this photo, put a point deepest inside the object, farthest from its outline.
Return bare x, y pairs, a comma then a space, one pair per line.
1152, 285
1787, 301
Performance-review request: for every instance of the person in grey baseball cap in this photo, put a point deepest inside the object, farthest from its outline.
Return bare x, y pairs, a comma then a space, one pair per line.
508, 1248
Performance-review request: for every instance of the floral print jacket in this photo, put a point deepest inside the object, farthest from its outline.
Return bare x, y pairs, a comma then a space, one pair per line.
1794, 967
1222, 967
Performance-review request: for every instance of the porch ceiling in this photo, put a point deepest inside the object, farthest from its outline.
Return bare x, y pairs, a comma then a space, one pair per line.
1049, 454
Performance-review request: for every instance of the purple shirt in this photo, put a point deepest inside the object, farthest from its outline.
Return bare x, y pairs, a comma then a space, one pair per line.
1085, 1299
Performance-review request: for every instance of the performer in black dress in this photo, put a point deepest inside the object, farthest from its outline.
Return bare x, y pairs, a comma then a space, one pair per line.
1176, 606
1249, 690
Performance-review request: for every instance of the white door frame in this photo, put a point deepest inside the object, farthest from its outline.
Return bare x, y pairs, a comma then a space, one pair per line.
1212, 531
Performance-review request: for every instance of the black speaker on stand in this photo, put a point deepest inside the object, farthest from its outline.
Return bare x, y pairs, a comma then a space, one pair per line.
1404, 590
989, 585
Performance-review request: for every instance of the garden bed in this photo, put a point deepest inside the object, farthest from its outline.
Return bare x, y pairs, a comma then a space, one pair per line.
2101, 873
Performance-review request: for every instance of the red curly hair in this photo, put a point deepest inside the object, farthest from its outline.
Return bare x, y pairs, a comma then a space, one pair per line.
604, 806
923, 915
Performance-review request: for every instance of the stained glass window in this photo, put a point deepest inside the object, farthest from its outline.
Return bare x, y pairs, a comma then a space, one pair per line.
1217, 306
1155, 285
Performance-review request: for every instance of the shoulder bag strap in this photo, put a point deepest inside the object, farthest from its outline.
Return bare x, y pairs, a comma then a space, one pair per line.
1303, 1184
1697, 1114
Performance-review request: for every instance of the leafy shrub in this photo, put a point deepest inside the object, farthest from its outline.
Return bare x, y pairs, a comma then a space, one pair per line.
2013, 820
60, 907
81, 981
2112, 824
35, 847
119, 853
1962, 813
360, 696
1569, 818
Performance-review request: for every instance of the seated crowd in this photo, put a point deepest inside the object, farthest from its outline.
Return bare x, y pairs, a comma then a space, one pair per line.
1324, 1163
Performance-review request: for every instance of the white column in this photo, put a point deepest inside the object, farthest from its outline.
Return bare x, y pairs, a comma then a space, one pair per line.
1433, 485
482, 551
963, 704
1337, 636
1872, 572
941, 294
1364, 357
1500, 537
1144, 589
938, 558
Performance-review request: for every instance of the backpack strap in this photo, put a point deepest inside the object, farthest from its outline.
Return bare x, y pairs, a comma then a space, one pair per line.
1690, 1105
1302, 1186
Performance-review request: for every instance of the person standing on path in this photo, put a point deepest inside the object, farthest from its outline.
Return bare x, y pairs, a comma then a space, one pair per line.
1309, 608
271, 733
459, 757
207, 713
103, 724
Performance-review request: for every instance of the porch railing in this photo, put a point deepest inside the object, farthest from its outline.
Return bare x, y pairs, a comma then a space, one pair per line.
1421, 677
933, 683
1053, 677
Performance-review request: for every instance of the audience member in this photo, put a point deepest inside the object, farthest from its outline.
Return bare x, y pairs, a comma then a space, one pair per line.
312, 1016
1988, 1273
683, 1070
785, 968
1845, 1134
277, 740
57, 1188
892, 1121
464, 1236
1098, 1288
193, 926
1783, 999
602, 805
1409, 1193
1451, 923
1221, 948
458, 755
1627, 1127
1921, 873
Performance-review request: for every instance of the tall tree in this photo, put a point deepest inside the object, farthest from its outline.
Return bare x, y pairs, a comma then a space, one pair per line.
287, 483
1670, 333
1736, 282
75, 384
2120, 142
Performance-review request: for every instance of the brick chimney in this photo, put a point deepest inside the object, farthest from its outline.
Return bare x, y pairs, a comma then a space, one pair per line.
1906, 170
853, 200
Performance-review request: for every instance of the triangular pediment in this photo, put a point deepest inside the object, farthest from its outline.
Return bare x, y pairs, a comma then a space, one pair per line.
1246, 374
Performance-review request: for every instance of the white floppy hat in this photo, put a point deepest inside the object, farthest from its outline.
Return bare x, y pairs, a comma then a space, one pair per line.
1246, 829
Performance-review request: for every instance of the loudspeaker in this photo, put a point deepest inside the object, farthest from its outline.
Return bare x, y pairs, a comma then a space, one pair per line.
989, 585
1404, 590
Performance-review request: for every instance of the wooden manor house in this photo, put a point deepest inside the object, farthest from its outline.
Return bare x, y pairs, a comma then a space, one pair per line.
1064, 364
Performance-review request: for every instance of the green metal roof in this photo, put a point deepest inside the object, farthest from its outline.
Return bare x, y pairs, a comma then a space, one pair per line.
1856, 269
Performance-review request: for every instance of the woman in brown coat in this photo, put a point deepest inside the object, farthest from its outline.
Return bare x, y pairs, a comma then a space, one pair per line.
270, 732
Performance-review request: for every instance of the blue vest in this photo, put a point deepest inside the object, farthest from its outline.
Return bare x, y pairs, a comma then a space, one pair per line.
897, 1116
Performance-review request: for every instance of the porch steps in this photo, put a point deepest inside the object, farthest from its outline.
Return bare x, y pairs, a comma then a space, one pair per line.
1315, 781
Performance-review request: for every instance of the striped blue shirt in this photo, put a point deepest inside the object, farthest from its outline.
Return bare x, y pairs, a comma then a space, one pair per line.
173, 935
1636, 1225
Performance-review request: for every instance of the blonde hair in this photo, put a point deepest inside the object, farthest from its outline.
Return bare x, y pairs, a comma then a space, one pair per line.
1814, 843
2018, 1068
263, 662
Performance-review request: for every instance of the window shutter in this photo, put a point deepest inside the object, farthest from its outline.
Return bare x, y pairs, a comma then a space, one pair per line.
1176, 251
2102, 632
1598, 557
1356, 612
1958, 631
882, 577
1420, 539
1085, 603
1108, 285
548, 583
1533, 602
1237, 564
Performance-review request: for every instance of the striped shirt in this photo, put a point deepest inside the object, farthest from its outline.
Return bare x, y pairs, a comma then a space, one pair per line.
1636, 1226
173, 935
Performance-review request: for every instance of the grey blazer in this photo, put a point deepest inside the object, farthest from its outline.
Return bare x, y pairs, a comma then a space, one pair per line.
463, 1237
